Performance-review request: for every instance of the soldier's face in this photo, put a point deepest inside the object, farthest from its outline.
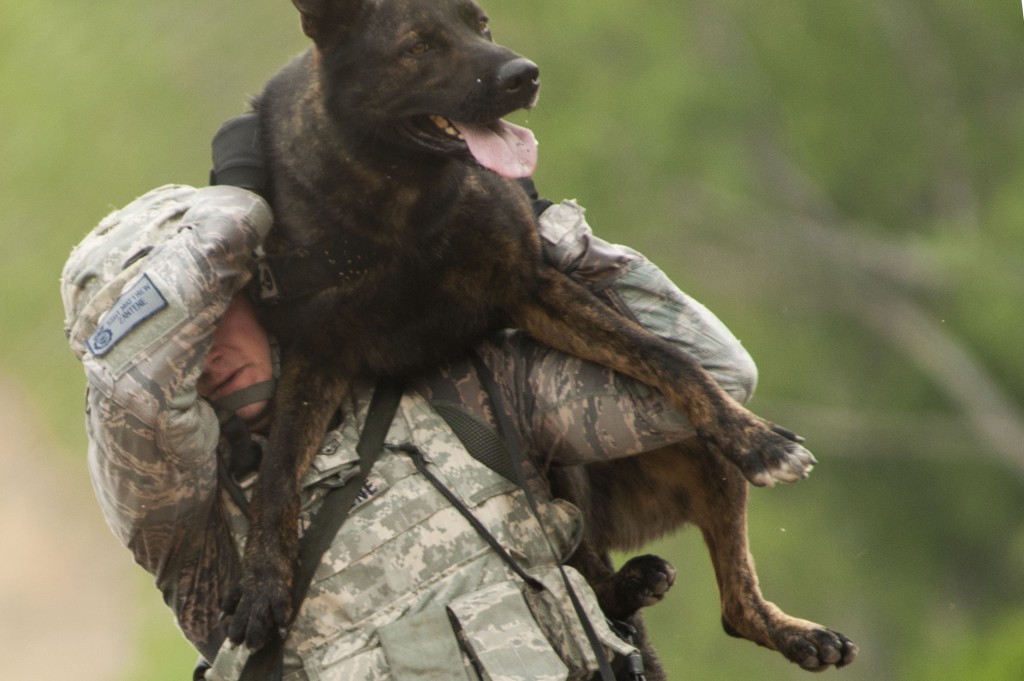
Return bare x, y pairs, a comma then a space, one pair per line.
240, 357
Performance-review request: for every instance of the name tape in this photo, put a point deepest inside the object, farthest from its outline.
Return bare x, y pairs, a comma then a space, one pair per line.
134, 306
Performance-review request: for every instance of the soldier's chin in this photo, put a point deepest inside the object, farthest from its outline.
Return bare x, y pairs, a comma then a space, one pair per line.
256, 415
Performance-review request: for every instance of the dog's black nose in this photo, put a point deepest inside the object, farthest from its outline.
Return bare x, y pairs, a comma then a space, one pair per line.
519, 77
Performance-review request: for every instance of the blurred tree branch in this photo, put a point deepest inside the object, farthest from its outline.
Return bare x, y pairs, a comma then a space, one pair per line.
954, 368
875, 279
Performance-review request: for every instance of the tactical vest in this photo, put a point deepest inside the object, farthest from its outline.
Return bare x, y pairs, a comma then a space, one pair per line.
410, 590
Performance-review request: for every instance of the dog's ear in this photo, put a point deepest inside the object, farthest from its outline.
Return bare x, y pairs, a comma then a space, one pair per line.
321, 18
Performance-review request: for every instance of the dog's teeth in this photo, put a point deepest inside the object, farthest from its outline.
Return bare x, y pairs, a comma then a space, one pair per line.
446, 126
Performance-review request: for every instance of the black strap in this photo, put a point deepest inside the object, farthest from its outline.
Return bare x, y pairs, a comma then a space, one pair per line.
338, 503
238, 154
257, 392
242, 457
266, 663
479, 439
421, 465
508, 431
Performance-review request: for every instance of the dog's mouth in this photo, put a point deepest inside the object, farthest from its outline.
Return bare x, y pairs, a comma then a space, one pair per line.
507, 149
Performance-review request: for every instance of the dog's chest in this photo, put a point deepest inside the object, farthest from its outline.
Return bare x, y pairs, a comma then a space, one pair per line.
411, 309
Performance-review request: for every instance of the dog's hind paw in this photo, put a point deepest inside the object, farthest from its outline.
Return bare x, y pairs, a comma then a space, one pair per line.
812, 646
816, 648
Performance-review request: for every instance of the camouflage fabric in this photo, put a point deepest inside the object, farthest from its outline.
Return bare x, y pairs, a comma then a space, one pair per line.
405, 552
153, 442
522, 634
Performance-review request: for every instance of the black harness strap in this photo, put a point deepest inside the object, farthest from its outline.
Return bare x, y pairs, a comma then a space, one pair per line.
266, 664
336, 506
264, 390
421, 465
507, 431
479, 439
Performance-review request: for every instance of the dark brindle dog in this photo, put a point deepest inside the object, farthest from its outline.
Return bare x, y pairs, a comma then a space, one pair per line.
390, 179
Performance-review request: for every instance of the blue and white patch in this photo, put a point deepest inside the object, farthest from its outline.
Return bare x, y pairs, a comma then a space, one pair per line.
134, 306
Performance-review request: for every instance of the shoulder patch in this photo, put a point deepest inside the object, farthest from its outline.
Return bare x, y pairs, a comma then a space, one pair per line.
134, 306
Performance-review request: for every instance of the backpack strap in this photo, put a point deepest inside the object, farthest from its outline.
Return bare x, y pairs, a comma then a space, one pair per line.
479, 439
266, 664
420, 462
515, 449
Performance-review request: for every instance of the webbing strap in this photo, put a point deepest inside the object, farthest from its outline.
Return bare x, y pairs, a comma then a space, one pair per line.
479, 439
257, 392
421, 465
266, 663
508, 431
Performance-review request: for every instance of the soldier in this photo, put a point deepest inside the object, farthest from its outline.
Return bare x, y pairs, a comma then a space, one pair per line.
176, 362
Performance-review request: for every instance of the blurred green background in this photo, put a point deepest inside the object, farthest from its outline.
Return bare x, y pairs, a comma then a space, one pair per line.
840, 182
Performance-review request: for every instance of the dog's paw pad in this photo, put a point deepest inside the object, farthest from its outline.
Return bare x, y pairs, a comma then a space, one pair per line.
818, 649
646, 579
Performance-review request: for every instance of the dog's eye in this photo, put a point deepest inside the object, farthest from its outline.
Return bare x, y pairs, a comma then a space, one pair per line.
484, 27
421, 47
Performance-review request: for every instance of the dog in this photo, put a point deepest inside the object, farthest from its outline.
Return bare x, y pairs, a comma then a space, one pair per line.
400, 220
632, 501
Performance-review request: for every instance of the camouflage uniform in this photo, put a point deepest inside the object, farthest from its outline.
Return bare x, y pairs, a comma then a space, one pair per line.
142, 294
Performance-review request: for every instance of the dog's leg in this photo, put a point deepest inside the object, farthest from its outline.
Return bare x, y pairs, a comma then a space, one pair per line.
650, 495
622, 593
568, 317
641, 582
607, 504
719, 505
305, 400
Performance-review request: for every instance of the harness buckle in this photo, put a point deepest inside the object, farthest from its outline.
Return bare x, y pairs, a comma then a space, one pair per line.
269, 290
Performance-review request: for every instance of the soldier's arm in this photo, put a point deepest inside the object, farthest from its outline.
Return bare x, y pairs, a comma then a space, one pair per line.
581, 411
142, 334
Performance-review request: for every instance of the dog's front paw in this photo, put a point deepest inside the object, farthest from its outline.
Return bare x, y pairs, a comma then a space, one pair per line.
815, 648
764, 452
260, 606
782, 458
643, 581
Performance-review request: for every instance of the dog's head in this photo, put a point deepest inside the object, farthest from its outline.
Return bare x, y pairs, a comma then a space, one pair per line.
424, 74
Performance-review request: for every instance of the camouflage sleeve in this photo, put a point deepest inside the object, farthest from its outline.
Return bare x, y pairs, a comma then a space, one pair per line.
141, 304
579, 411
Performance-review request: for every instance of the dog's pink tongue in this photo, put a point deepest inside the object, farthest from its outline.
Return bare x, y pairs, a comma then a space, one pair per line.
503, 147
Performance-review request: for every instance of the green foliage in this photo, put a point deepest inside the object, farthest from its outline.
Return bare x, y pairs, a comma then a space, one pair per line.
991, 652
839, 181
